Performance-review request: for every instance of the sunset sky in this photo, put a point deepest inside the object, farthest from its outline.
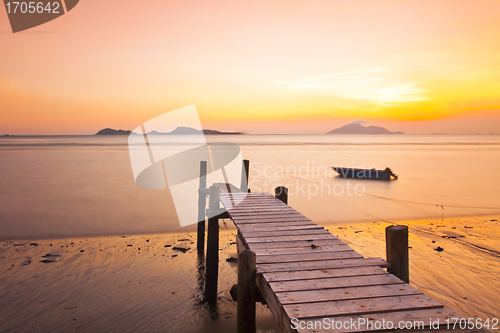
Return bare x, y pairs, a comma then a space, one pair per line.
256, 66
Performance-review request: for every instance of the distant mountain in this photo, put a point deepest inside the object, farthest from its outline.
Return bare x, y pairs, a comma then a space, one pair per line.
110, 131
177, 131
360, 129
191, 131
215, 132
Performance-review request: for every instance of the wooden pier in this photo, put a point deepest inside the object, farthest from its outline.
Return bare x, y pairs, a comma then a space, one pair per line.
305, 274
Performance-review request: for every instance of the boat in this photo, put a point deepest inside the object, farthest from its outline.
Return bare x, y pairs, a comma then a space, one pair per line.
385, 174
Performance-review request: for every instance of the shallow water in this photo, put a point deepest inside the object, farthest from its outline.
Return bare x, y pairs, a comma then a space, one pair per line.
83, 185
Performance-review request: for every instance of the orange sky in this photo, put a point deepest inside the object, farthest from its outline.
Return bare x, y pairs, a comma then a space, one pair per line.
256, 66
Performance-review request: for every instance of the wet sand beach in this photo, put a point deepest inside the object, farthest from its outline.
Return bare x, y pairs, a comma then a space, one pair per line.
455, 261
115, 284
142, 284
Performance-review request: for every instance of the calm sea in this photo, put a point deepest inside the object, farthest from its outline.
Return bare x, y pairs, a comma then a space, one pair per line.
52, 187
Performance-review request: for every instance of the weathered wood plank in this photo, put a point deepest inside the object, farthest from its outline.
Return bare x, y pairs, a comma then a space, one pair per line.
274, 305
255, 207
324, 273
282, 258
290, 220
335, 282
250, 195
280, 245
263, 208
360, 306
279, 233
237, 203
277, 227
304, 249
323, 295
422, 318
271, 219
310, 238
325, 264
246, 196
260, 204
257, 214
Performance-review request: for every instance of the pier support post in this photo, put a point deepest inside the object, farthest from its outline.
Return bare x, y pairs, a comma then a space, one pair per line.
202, 202
281, 192
247, 291
396, 241
245, 169
212, 261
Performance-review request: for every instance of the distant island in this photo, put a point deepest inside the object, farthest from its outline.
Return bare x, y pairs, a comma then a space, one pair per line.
177, 131
355, 128
110, 131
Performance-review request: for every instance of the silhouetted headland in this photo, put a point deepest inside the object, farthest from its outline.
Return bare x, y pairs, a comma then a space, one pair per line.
110, 131
177, 131
355, 128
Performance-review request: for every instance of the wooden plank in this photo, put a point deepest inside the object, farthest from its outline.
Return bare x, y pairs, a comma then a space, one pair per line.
263, 220
416, 317
360, 306
259, 204
325, 264
271, 219
249, 194
278, 233
253, 208
290, 220
304, 249
241, 244
281, 245
284, 225
335, 282
310, 238
282, 258
274, 227
324, 273
258, 208
324, 295
247, 198
274, 305
265, 212
264, 203
257, 214
250, 201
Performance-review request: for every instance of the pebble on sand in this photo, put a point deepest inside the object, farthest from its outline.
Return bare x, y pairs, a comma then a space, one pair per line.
181, 248
439, 249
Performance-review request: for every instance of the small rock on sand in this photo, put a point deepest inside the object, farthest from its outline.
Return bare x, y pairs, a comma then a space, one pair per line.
48, 255
181, 248
439, 249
